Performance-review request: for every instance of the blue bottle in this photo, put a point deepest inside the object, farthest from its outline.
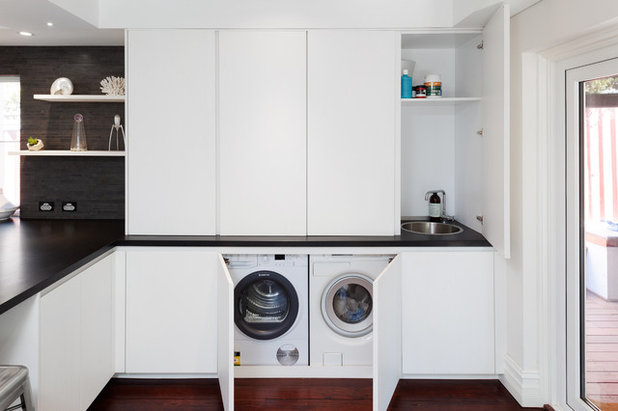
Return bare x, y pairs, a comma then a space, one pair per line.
406, 85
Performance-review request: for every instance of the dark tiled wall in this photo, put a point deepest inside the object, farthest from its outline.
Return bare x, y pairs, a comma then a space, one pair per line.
96, 183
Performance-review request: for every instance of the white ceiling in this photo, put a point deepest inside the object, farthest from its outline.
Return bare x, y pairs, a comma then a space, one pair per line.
68, 30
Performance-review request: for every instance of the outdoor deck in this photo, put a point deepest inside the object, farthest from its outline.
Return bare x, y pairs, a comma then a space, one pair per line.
602, 352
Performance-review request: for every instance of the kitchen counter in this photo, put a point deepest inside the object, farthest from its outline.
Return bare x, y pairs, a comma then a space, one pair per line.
34, 254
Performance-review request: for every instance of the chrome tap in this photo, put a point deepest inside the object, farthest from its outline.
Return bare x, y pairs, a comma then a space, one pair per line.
443, 215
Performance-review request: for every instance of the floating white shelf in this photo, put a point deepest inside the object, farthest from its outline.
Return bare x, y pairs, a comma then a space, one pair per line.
446, 101
80, 98
67, 153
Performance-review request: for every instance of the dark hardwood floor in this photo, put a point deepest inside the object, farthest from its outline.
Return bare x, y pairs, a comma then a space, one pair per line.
302, 394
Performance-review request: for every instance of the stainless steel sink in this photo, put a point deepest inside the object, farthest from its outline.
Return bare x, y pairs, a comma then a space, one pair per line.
425, 227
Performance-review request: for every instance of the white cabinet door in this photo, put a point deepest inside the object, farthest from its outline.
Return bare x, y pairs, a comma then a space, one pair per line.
171, 179
386, 334
225, 334
59, 380
352, 90
448, 312
76, 339
97, 314
496, 146
262, 132
171, 317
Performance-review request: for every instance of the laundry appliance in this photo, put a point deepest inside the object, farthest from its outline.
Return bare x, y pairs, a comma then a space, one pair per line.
341, 308
271, 309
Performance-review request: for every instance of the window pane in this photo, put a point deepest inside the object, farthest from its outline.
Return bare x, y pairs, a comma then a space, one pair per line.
599, 150
9, 136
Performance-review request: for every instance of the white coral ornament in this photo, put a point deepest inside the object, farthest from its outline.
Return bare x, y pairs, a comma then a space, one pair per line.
113, 86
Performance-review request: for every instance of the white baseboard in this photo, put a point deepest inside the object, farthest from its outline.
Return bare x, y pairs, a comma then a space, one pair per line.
163, 376
302, 371
525, 386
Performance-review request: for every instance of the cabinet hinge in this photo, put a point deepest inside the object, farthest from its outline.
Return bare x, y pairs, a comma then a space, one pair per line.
480, 132
480, 218
480, 45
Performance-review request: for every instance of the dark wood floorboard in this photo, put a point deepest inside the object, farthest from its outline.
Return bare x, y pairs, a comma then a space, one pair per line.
453, 395
302, 394
122, 394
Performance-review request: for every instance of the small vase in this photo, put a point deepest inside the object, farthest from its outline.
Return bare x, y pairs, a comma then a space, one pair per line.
78, 138
36, 147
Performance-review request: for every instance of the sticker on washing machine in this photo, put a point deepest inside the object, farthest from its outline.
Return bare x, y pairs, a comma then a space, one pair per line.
236, 358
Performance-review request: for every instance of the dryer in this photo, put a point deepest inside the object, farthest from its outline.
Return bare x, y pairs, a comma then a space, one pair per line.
341, 308
271, 309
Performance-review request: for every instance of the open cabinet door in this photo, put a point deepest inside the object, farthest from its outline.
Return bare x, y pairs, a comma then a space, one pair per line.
386, 334
225, 334
496, 103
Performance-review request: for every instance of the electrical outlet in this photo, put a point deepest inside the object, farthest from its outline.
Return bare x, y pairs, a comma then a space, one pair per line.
69, 206
46, 206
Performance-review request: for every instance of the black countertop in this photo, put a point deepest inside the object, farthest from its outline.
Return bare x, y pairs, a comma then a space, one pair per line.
34, 254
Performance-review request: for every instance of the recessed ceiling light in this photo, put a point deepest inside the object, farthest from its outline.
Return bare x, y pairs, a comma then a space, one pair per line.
25, 33
49, 24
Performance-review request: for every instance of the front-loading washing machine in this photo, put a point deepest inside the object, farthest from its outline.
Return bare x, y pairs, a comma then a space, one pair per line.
271, 309
341, 308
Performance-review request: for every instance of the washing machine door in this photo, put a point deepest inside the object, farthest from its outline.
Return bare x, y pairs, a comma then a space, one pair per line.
266, 305
347, 303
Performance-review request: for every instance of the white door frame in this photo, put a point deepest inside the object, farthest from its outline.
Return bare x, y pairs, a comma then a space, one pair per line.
544, 134
573, 212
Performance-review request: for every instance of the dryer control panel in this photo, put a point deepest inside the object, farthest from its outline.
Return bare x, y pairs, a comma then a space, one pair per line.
270, 260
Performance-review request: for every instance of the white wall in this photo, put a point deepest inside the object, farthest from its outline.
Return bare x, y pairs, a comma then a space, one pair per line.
274, 13
264, 13
542, 26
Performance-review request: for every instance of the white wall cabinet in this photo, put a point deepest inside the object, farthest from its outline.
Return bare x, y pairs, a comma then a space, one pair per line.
461, 144
262, 132
171, 172
76, 339
303, 132
352, 108
171, 310
448, 313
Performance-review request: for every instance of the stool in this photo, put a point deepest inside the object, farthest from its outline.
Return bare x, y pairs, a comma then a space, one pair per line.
14, 383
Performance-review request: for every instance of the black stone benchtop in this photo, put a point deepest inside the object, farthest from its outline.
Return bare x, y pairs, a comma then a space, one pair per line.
34, 254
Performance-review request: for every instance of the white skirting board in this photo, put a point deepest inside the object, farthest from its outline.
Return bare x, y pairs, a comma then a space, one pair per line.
266, 371
525, 386
164, 376
450, 377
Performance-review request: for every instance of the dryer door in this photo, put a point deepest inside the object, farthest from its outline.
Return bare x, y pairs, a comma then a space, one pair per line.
266, 305
347, 303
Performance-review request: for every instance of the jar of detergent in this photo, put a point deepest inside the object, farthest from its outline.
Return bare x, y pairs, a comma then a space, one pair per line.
420, 92
433, 85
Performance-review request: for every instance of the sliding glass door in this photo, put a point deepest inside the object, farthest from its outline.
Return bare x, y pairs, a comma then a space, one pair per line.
592, 236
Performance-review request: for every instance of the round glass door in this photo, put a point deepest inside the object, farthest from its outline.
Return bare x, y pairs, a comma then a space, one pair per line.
347, 303
266, 305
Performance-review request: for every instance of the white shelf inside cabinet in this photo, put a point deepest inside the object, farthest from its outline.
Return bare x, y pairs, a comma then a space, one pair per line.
67, 153
80, 98
442, 101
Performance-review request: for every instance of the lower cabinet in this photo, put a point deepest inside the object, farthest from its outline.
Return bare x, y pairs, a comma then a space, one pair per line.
171, 310
76, 345
448, 313
179, 316
433, 315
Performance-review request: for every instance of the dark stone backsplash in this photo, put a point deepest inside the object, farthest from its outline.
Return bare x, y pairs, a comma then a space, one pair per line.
96, 183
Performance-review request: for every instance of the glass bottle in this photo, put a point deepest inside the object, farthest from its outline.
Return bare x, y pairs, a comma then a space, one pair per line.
78, 138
